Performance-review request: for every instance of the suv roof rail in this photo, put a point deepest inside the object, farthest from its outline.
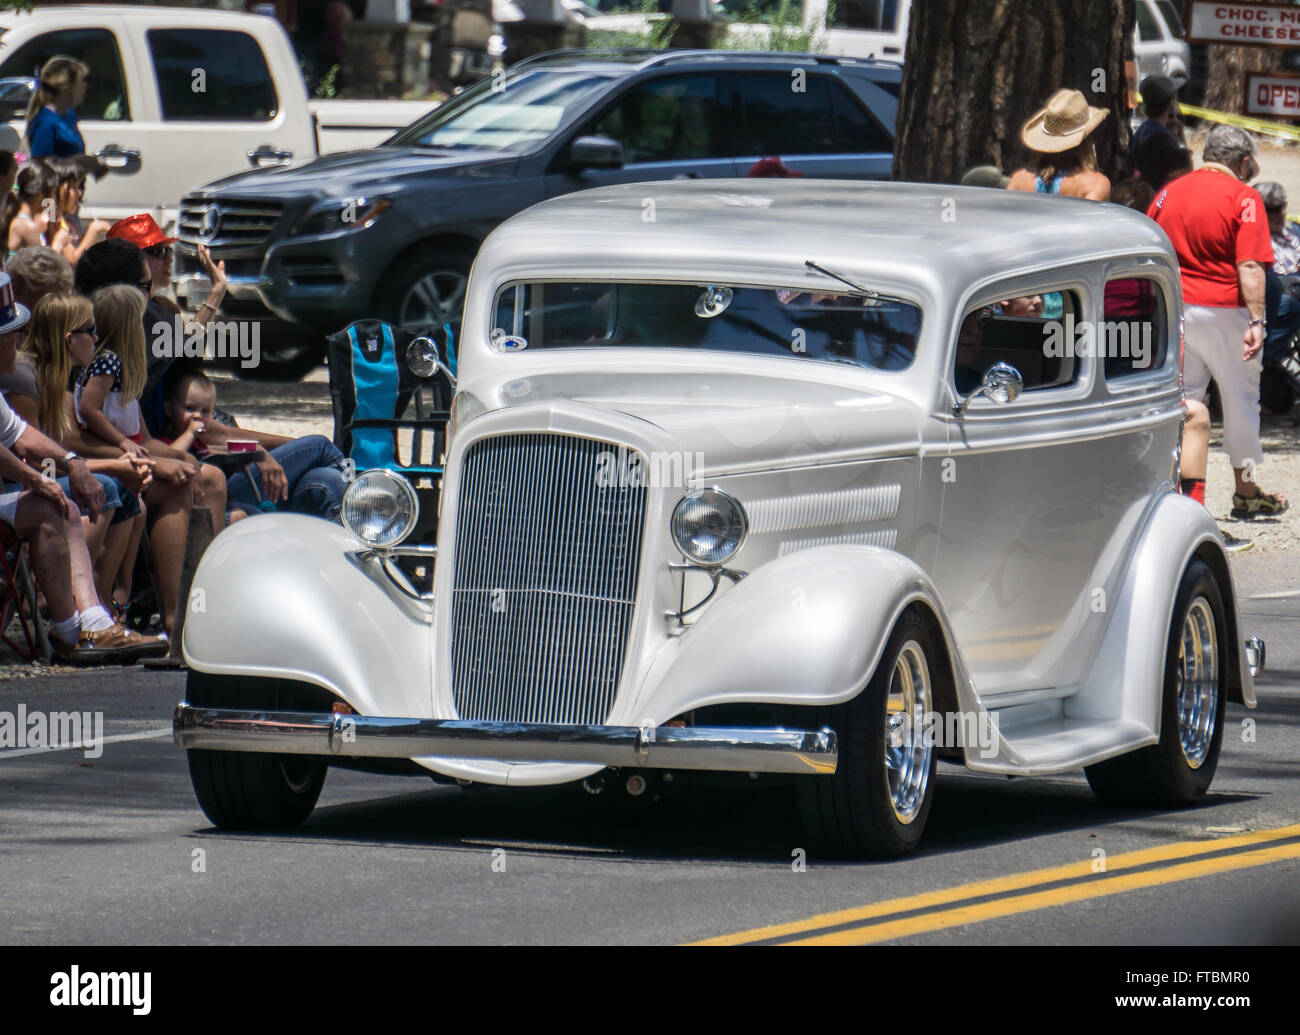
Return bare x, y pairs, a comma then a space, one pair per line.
663, 57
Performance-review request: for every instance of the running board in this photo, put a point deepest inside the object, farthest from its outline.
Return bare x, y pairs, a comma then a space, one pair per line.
1058, 745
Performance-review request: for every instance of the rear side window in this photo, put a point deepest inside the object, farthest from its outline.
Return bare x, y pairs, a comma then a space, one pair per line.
856, 131
1148, 29
1033, 333
211, 75
97, 49
781, 119
879, 15
1134, 336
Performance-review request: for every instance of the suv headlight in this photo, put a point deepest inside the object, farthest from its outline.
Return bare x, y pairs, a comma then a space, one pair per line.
380, 508
341, 214
709, 526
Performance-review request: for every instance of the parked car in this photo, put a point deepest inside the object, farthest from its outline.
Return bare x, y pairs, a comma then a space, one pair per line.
719, 495
393, 231
878, 28
161, 126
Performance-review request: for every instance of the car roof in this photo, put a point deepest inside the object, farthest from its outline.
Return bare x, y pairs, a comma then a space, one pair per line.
637, 59
159, 12
940, 237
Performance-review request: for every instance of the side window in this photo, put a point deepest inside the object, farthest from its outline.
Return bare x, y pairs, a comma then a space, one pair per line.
782, 121
1036, 334
1134, 335
880, 15
857, 131
97, 50
665, 120
1148, 29
215, 75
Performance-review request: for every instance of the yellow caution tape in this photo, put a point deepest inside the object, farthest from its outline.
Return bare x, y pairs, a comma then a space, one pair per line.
1275, 129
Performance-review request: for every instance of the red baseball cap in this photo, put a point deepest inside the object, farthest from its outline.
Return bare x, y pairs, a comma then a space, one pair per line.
772, 167
141, 231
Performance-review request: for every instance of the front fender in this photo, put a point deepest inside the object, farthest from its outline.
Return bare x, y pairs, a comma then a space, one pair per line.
284, 595
805, 629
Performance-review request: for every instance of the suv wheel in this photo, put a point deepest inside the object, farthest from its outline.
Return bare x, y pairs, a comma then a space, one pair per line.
427, 291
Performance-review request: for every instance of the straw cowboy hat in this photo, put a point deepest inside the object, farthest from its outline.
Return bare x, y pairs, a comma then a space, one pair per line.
1063, 124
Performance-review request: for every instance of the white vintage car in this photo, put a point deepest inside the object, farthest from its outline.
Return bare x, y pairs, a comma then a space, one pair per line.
825, 479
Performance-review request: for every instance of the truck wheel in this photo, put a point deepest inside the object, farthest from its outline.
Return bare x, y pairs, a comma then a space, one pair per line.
876, 804
1178, 770
427, 290
248, 790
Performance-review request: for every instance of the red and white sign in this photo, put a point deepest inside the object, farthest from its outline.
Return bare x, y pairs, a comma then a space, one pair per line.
1259, 25
1273, 95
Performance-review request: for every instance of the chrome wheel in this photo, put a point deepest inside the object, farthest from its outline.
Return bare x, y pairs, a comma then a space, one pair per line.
908, 749
1198, 682
433, 300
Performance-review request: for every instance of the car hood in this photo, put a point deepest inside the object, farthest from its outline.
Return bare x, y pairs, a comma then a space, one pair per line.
374, 171
740, 422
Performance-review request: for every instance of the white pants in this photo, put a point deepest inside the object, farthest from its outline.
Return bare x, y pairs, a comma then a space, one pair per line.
1213, 350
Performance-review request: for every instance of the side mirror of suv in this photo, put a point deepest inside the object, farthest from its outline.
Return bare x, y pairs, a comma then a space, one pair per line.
595, 153
14, 95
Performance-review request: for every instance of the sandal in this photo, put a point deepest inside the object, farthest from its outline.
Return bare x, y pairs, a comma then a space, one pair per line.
1261, 503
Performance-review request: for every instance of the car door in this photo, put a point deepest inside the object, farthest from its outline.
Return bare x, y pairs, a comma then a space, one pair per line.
216, 101
669, 127
111, 116
1018, 538
812, 122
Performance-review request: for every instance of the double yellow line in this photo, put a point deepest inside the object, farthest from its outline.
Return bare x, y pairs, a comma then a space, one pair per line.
955, 907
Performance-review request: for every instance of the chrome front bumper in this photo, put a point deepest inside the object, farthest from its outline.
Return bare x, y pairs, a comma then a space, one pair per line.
720, 749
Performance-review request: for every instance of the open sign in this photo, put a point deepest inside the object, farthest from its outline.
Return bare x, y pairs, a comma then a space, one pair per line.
1276, 94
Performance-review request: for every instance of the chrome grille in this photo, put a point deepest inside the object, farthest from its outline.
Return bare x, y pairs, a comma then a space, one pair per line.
544, 580
227, 223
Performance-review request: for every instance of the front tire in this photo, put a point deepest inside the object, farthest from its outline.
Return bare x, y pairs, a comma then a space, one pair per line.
427, 290
240, 790
877, 802
1178, 770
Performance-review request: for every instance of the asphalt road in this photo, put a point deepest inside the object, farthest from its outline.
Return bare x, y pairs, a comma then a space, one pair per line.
114, 849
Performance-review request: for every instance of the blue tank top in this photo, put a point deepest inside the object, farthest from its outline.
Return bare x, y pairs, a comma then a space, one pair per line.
1052, 187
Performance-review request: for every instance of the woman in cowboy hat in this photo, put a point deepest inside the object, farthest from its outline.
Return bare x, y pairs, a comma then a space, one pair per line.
1062, 159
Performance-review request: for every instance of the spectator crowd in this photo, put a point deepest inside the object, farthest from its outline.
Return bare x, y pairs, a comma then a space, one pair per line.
104, 426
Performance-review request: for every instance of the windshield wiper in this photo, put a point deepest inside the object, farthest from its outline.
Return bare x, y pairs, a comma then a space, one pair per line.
862, 291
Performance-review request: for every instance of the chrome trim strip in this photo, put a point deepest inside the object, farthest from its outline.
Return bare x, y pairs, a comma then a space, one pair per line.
713, 748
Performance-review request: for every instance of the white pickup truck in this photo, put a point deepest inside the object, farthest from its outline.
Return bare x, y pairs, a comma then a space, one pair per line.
180, 97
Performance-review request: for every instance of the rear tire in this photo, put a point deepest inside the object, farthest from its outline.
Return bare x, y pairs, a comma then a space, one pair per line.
1178, 770
240, 790
877, 802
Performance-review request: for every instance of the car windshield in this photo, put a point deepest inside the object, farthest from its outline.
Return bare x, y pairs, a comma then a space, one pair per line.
878, 333
508, 114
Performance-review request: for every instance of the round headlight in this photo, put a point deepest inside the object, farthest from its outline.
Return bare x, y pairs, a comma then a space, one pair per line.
709, 526
380, 508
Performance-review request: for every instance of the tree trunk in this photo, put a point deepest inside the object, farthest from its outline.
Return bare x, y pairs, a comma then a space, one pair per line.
976, 70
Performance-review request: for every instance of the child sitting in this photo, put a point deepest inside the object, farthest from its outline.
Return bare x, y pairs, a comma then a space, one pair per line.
305, 474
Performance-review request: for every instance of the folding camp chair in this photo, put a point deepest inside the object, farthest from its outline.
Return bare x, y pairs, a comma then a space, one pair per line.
19, 599
386, 416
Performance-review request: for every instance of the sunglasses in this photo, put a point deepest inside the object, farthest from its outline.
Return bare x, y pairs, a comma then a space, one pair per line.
92, 330
158, 251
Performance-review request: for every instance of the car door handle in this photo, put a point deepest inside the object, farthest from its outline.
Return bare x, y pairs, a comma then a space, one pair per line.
268, 155
121, 160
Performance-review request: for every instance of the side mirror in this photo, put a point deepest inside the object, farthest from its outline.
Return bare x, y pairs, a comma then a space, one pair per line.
424, 358
14, 94
1002, 383
595, 153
